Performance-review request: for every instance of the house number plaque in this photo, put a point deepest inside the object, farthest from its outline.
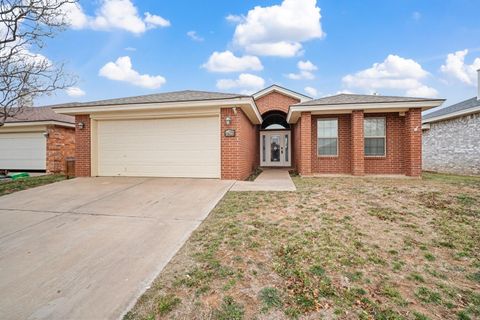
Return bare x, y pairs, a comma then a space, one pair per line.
230, 133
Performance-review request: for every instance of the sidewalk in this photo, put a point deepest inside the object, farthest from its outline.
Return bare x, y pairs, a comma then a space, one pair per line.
268, 180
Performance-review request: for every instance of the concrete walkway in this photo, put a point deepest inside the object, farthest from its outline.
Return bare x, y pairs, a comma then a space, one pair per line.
87, 248
268, 180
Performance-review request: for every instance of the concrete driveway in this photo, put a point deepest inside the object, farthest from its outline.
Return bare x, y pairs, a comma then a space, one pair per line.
87, 248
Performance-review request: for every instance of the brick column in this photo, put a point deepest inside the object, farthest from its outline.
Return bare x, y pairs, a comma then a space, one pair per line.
82, 146
60, 145
305, 167
413, 142
358, 152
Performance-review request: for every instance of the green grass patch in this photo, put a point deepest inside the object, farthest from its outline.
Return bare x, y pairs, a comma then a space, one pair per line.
28, 183
167, 303
451, 178
229, 310
428, 296
270, 298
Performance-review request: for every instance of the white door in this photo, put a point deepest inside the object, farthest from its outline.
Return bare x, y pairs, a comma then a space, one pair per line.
275, 148
180, 147
23, 151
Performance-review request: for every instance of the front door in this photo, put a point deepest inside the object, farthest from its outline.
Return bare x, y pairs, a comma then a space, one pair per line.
275, 148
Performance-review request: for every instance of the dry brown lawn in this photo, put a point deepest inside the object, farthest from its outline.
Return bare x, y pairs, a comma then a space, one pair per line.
338, 248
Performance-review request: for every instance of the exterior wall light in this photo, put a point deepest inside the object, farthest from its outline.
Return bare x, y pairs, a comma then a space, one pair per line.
81, 125
228, 120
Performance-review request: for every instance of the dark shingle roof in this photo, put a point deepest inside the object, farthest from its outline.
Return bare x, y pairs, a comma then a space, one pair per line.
36, 114
176, 96
360, 98
464, 105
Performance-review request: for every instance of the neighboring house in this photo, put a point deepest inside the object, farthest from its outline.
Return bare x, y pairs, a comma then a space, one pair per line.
451, 138
37, 139
218, 135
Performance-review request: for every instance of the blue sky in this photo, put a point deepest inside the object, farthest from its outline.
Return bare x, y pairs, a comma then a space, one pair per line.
314, 47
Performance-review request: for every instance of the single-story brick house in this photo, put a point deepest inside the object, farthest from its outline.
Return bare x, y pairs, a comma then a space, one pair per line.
37, 139
219, 135
451, 137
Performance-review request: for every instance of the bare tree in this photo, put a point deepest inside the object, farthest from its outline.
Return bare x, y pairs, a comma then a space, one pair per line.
25, 25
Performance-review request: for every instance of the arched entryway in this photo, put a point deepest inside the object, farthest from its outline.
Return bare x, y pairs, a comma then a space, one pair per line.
275, 140
275, 120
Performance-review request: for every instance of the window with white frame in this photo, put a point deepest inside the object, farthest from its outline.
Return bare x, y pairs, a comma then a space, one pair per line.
327, 137
375, 136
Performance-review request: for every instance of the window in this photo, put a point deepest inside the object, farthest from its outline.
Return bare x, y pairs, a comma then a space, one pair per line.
327, 135
375, 136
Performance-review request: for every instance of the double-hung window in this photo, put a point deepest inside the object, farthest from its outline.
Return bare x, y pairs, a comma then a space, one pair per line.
375, 137
327, 135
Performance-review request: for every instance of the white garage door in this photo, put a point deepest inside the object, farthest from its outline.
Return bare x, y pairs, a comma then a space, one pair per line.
181, 147
23, 151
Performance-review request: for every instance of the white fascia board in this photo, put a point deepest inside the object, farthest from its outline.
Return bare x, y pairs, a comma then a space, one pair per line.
38, 123
281, 90
247, 104
295, 111
453, 115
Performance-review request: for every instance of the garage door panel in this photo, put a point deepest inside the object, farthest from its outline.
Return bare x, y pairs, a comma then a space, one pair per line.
182, 147
25, 151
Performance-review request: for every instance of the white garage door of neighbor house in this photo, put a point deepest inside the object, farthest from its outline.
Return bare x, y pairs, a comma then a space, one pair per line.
23, 151
180, 147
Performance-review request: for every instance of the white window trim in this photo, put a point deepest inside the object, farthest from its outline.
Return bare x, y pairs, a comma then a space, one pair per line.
318, 148
384, 137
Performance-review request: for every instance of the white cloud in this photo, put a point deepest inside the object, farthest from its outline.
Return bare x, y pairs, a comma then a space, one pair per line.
194, 36
152, 21
121, 70
75, 92
306, 66
305, 71
279, 30
113, 14
455, 67
422, 91
130, 49
226, 61
74, 15
247, 83
234, 18
311, 91
393, 73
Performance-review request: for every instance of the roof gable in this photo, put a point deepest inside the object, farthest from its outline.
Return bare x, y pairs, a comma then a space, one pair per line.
282, 90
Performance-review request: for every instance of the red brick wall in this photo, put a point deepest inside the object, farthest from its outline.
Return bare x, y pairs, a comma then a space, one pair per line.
413, 142
306, 144
357, 143
275, 101
403, 146
82, 147
60, 145
239, 154
340, 163
393, 161
296, 143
